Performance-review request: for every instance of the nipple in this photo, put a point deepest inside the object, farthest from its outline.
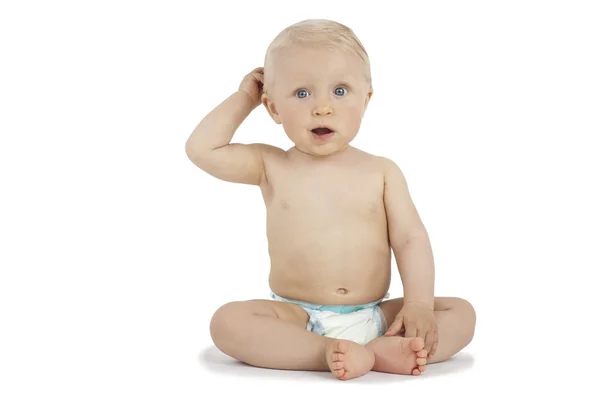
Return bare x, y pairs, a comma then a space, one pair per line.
342, 291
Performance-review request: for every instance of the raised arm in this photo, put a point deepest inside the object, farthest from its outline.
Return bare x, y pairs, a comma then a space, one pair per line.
209, 147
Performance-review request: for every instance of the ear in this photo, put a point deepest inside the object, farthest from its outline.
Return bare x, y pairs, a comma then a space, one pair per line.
270, 106
368, 99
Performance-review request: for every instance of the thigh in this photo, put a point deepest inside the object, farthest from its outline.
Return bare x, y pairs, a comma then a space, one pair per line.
287, 312
391, 308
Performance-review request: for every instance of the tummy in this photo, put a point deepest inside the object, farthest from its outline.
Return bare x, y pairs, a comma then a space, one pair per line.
330, 260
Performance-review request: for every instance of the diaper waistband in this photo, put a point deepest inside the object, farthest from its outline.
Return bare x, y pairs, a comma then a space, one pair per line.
338, 309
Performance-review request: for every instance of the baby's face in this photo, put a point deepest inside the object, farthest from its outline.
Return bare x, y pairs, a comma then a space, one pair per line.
313, 88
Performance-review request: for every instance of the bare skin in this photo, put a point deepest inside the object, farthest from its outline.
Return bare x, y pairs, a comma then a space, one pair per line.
275, 336
297, 272
328, 213
328, 226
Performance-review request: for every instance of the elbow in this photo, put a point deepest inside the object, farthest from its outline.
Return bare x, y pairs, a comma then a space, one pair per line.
189, 148
195, 156
189, 151
192, 151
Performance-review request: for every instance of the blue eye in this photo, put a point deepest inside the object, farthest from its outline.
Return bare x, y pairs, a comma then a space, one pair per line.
337, 91
301, 91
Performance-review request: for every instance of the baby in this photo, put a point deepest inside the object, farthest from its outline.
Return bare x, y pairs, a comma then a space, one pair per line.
334, 214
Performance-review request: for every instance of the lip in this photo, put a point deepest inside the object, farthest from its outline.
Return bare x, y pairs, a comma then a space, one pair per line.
323, 137
323, 126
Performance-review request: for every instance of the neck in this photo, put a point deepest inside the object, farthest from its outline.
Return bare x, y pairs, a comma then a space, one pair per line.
318, 158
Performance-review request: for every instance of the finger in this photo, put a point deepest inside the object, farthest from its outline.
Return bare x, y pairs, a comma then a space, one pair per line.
411, 330
434, 345
429, 341
395, 327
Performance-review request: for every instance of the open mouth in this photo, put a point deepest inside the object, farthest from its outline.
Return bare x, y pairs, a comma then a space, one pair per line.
321, 131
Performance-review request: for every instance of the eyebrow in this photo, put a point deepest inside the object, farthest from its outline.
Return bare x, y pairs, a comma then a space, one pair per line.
343, 82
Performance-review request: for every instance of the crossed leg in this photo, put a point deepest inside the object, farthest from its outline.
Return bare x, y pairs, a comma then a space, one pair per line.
456, 327
273, 334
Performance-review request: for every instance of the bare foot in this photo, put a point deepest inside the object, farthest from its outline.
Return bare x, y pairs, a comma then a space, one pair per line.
348, 359
399, 355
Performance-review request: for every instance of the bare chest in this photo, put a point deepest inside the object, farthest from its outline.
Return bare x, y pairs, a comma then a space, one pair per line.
326, 195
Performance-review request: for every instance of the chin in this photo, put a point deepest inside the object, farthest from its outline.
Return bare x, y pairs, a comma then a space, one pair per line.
321, 151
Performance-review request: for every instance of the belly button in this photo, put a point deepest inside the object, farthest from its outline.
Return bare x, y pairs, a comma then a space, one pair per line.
342, 291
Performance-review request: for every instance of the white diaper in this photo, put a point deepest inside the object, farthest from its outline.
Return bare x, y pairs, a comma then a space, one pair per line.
359, 323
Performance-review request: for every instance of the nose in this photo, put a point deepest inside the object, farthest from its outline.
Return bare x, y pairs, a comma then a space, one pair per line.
321, 111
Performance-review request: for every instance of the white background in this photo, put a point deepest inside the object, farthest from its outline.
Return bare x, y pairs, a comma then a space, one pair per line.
115, 249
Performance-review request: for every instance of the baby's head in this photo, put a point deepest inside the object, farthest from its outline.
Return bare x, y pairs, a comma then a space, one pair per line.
317, 73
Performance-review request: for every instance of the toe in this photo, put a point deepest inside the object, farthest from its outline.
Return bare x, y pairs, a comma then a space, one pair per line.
338, 373
416, 372
417, 344
412, 346
342, 346
422, 368
422, 353
337, 365
421, 361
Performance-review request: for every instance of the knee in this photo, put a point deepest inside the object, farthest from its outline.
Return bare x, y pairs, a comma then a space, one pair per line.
223, 321
468, 316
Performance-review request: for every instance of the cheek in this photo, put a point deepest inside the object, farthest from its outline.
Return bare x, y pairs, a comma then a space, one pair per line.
292, 116
292, 122
354, 115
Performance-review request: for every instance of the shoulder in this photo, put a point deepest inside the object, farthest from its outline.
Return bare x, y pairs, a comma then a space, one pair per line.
268, 153
375, 161
386, 165
392, 174
272, 158
267, 150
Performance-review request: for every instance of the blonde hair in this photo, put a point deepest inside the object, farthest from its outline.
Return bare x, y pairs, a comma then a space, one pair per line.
322, 33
